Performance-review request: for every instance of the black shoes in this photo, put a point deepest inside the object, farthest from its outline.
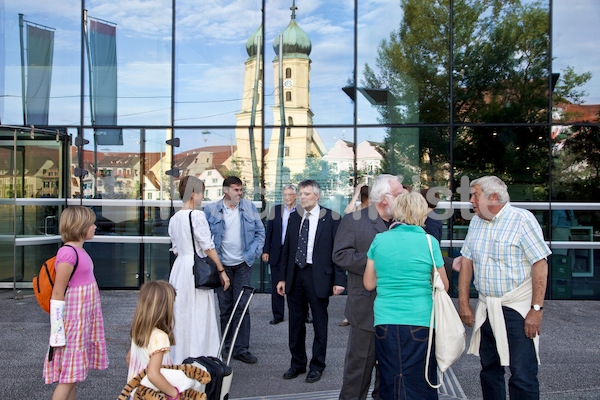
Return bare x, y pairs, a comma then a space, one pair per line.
293, 373
246, 357
313, 376
275, 321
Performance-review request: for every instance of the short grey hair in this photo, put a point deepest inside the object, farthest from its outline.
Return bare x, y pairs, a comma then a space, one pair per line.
381, 187
492, 184
311, 182
289, 186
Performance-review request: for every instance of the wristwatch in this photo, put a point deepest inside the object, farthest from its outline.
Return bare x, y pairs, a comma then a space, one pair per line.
537, 307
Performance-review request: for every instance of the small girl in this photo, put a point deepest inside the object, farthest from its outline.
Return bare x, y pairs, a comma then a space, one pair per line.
76, 325
152, 335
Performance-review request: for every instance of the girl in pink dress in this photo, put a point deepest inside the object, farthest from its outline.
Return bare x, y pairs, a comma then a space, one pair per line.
76, 325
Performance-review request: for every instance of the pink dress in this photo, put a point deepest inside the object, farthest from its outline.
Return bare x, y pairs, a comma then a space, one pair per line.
84, 326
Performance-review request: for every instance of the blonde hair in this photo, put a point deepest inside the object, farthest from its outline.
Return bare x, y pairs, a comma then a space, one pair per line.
411, 208
75, 222
154, 310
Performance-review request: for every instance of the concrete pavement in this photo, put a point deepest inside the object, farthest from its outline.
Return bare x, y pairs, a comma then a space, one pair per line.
570, 353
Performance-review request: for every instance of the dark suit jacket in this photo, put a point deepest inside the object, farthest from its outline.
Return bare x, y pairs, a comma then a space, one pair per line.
325, 273
354, 237
273, 240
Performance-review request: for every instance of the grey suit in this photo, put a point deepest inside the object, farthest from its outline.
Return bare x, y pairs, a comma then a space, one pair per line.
354, 237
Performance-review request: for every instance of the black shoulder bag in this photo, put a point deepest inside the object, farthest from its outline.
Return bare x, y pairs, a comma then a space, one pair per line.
206, 273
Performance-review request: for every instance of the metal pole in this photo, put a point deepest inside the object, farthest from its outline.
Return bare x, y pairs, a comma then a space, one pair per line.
15, 213
23, 98
89, 58
253, 121
279, 177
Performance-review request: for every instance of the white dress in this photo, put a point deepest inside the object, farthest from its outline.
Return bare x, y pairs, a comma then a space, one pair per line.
196, 330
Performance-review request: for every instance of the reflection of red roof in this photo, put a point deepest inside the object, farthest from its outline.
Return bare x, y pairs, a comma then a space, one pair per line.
580, 112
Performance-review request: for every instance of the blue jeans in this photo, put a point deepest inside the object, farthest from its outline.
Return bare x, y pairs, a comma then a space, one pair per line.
523, 383
239, 276
401, 351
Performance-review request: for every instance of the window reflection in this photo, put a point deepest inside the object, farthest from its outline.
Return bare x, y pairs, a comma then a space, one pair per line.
518, 155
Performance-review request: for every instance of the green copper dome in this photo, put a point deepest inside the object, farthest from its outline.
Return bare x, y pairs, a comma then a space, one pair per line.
252, 43
296, 43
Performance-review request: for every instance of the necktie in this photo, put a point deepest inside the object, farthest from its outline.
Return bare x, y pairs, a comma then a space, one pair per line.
302, 244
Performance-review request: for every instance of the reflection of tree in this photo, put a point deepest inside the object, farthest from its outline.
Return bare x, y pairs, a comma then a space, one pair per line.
577, 164
319, 170
500, 75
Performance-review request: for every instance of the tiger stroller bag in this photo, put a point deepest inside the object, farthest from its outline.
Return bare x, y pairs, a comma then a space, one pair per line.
219, 369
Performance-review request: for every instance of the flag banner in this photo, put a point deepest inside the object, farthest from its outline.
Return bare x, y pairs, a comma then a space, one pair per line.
103, 53
40, 53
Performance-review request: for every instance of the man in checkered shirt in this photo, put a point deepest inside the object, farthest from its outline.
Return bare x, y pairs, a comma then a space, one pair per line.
506, 252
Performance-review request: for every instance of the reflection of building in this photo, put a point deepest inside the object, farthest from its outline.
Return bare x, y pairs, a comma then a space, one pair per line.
568, 112
118, 175
206, 163
340, 159
39, 179
298, 143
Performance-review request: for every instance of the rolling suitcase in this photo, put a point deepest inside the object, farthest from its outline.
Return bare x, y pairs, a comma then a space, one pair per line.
220, 372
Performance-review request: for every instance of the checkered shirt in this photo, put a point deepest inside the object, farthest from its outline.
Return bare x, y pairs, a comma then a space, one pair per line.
504, 249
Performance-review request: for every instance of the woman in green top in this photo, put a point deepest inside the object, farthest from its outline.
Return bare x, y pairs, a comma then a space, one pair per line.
399, 265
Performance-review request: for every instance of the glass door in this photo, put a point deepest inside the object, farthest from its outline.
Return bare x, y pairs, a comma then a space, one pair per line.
32, 192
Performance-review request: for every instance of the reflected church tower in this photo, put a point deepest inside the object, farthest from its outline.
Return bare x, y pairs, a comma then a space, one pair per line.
298, 142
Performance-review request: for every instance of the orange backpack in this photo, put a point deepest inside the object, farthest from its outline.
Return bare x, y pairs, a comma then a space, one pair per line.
44, 282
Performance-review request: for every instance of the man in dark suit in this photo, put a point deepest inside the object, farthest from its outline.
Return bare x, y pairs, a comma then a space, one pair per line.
276, 230
309, 277
354, 236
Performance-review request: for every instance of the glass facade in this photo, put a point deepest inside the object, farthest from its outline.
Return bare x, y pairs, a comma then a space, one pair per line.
125, 99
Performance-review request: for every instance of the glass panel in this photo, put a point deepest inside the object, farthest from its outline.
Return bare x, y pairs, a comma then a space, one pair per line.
157, 262
64, 96
403, 67
576, 96
500, 61
31, 258
574, 225
157, 161
318, 53
213, 86
116, 265
208, 156
421, 155
143, 46
576, 163
113, 174
518, 155
574, 274
7, 207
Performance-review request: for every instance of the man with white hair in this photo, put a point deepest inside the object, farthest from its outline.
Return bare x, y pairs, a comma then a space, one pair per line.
352, 241
506, 252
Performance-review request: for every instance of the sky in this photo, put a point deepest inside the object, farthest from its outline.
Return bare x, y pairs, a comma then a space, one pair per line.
211, 40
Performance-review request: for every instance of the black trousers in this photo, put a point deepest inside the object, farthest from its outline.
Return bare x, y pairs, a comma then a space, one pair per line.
302, 294
277, 301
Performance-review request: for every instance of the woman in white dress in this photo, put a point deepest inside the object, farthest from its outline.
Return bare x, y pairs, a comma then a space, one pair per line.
196, 330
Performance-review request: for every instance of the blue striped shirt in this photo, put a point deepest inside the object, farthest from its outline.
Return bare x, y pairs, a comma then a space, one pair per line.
504, 249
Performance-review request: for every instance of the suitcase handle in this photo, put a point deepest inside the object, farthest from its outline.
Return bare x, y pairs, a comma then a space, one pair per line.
245, 289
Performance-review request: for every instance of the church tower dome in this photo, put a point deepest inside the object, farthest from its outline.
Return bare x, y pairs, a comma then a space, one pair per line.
252, 44
296, 43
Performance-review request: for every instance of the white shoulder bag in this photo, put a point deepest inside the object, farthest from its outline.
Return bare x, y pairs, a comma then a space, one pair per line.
450, 333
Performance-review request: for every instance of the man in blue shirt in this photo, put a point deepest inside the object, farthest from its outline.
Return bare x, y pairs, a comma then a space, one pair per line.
239, 236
